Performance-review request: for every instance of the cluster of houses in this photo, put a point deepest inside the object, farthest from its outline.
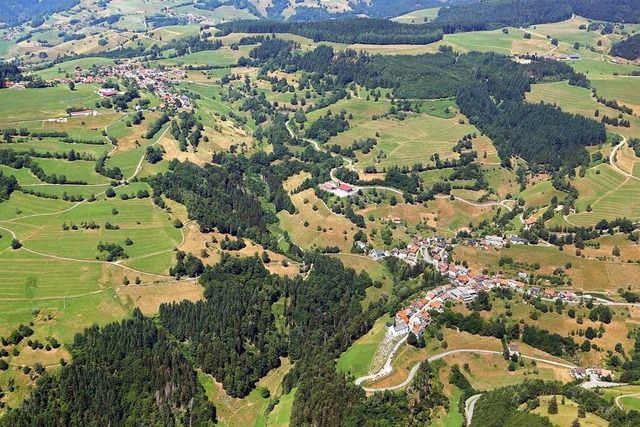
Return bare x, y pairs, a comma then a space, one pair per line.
598, 374
11, 33
463, 284
158, 80
572, 57
339, 189
495, 241
419, 248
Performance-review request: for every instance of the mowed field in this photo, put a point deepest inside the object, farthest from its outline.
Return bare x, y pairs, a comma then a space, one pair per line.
578, 100
418, 16
403, 142
624, 89
32, 104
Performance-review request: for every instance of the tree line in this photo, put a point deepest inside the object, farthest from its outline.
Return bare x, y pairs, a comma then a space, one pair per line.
350, 30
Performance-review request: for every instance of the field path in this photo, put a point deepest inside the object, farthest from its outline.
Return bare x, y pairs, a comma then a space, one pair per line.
114, 263
612, 159
617, 400
477, 204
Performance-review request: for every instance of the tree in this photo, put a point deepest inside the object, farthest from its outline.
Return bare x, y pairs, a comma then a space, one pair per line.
72, 86
575, 423
582, 412
615, 251
553, 405
393, 201
412, 339
15, 244
585, 346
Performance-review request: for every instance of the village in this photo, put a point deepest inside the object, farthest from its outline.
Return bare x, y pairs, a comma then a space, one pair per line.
463, 285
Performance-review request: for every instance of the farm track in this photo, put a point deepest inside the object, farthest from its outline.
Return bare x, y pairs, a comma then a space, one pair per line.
617, 399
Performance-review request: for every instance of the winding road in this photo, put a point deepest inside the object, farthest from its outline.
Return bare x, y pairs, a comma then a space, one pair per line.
433, 358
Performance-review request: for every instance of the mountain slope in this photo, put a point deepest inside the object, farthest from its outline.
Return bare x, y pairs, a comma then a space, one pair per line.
14, 12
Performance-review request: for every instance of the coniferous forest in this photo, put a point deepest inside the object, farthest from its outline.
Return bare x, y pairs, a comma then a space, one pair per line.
120, 375
627, 49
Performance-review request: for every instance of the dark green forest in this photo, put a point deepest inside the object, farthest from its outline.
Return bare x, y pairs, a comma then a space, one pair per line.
494, 14
120, 374
627, 49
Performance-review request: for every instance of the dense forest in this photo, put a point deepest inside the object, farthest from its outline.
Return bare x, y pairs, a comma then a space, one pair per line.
120, 374
628, 49
215, 197
232, 334
353, 30
493, 14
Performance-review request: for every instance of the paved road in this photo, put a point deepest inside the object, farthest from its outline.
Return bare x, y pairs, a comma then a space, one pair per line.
469, 406
414, 370
387, 368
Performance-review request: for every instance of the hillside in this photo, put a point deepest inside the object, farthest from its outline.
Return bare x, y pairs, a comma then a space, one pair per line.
14, 12
221, 213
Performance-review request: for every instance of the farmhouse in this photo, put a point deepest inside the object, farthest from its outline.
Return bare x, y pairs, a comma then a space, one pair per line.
579, 373
514, 349
84, 113
529, 222
107, 93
